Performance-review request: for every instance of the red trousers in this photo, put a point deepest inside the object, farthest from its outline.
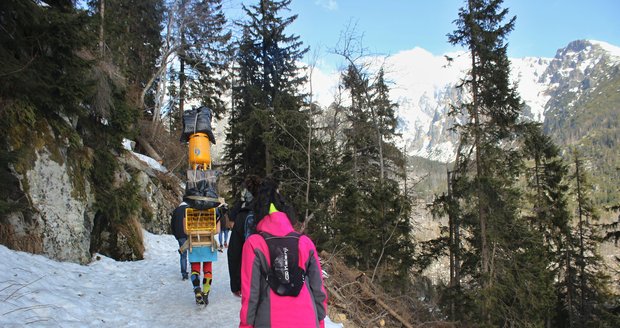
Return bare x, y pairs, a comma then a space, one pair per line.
206, 268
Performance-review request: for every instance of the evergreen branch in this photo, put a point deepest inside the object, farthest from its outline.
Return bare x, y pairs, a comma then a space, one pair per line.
20, 69
7, 32
374, 272
287, 132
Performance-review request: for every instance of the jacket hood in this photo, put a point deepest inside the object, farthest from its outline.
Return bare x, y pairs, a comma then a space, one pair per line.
276, 223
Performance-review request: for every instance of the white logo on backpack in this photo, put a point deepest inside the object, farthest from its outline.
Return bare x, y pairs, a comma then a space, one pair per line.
286, 275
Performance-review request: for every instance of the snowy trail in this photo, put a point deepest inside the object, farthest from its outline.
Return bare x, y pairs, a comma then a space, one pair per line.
38, 292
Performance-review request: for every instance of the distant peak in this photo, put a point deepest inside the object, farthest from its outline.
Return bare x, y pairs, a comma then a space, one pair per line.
611, 49
574, 46
587, 45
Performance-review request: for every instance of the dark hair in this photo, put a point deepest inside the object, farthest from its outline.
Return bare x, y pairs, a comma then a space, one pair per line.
252, 183
267, 194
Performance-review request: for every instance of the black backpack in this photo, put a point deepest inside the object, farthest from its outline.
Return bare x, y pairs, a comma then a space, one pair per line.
285, 277
248, 225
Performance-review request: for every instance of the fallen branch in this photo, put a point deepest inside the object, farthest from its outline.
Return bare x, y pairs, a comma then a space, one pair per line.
150, 151
393, 313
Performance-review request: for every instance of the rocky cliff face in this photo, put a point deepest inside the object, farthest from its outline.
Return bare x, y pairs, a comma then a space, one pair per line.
574, 95
160, 192
59, 217
64, 217
572, 77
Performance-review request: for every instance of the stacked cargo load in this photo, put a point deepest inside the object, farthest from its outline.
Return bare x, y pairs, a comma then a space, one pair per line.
201, 193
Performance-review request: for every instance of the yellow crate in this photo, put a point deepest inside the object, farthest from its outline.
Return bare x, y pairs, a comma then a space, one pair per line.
200, 221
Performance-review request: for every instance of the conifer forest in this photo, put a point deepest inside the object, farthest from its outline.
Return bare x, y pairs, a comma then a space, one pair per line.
521, 216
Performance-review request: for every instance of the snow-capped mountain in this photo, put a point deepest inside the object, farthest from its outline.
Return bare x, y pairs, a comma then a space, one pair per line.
425, 87
544, 84
574, 74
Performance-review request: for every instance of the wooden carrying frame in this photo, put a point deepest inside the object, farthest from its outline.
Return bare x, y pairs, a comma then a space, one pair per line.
200, 227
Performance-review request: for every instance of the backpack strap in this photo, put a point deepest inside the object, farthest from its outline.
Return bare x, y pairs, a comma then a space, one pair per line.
293, 234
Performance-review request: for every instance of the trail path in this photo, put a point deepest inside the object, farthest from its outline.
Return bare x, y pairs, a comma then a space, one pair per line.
38, 292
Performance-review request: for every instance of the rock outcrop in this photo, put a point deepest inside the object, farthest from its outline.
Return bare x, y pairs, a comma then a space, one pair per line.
56, 213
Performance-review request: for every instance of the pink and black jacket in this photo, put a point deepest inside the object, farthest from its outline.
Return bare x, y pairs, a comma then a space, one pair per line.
260, 306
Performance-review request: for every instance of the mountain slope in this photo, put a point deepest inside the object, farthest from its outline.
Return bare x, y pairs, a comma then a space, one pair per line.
425, 87
575, 94
584, 108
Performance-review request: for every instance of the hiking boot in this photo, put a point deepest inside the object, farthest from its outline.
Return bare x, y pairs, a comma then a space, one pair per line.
199, 297
184, 276
205, 298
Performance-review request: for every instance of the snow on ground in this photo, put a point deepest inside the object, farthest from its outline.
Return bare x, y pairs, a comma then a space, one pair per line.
38, 292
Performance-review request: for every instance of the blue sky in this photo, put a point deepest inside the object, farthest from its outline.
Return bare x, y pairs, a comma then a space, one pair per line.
390, 26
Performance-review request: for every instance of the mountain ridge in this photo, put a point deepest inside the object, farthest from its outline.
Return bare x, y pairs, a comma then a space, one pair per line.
542, 83
425, 86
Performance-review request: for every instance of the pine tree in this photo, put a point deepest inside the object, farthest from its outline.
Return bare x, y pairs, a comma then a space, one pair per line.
204, 54
372, 228
41, 68
386, 120
331, 178
127, 49
448, 205
613, 229
268, 125
612, 233
46, 83
502, 257
394, 206
548, 188
130, 39
586, 283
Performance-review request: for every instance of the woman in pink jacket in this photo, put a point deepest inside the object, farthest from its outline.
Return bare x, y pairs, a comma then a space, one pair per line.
261, 306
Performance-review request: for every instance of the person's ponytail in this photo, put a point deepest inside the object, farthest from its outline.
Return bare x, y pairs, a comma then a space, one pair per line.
268, 194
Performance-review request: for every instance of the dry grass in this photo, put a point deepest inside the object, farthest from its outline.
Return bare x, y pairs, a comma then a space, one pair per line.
31, 243
356, 302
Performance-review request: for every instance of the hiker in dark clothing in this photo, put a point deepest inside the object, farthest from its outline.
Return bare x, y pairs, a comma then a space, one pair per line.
221, 212
239, 212
178, 230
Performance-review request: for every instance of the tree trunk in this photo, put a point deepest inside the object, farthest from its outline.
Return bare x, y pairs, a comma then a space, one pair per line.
183, 46
181, 89
268, 164
169, 50
582, 265
309, 149
569, 287
101, 28
537, 209
159, 96
484, 248
150, 151
451, 245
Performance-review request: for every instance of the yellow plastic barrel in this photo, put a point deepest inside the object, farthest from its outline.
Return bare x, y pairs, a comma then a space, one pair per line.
199, 149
